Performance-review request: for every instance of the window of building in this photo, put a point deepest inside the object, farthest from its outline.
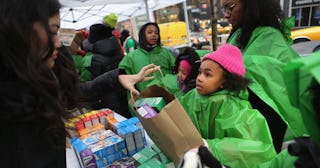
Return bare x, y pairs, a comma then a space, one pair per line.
305, 15
296, 13
315, 17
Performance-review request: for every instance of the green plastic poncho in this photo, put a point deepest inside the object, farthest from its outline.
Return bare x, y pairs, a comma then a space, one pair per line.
298, 75
81, 64
283, 160
129, 43
237, 135
169, 82
202, 53
136, 60
266, 53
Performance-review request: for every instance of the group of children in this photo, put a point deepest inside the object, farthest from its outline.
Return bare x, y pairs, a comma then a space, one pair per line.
223, 102
214, 92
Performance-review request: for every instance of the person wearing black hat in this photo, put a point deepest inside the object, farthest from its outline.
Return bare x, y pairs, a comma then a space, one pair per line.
106, 50
106, 55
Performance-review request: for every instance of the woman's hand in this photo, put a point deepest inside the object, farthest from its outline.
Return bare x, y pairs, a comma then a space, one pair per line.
128, 81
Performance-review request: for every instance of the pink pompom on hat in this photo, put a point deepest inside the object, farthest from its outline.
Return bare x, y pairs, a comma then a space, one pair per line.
229, 57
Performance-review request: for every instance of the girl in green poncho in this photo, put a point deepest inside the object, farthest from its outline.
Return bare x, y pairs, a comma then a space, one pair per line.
262, 34
236, 134
185, 73
150, 51
187, 66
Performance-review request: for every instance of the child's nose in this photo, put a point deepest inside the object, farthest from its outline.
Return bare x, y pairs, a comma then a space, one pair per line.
199, 78
226, 15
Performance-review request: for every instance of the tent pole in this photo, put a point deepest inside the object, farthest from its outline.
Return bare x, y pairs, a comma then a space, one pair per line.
147, 10
213, 25
187, 21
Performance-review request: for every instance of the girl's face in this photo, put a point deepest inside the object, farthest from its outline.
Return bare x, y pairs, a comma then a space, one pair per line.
54, 25
232, 10
210, 78
182, 75
152, 35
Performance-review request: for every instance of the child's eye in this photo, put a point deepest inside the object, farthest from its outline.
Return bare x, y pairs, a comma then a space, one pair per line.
207, 74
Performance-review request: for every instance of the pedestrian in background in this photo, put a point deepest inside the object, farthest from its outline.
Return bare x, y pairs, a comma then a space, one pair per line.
106, 51
128, 42
111, 21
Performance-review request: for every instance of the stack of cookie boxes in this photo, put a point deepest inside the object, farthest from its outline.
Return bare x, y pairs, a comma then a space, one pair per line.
101, 147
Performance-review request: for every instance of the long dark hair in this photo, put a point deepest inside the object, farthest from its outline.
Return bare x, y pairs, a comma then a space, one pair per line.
190, 55
19, 60
142, 35
257, 13
68, 78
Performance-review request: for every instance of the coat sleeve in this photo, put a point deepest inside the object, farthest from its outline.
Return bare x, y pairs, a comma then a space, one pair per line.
105, 81
127, 63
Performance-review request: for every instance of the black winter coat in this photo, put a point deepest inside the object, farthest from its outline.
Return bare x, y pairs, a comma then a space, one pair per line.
106, 91
106, 56
22, 142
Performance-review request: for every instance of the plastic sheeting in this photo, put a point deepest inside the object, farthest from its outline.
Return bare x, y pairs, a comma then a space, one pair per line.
264, 57
237, 135
298, 75
78, 14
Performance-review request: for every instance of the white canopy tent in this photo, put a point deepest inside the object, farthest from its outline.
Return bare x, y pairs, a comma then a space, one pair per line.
78, 14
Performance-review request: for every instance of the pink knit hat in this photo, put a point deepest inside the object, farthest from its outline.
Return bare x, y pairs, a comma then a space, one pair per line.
229, 57
186, 66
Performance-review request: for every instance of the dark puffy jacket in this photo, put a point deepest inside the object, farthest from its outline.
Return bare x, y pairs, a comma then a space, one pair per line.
106, 56
105, 91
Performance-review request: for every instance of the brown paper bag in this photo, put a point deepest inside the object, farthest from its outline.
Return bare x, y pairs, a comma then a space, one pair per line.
171, 129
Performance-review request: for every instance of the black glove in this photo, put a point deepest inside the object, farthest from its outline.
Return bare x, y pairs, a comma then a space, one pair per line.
207, 158
307, 151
